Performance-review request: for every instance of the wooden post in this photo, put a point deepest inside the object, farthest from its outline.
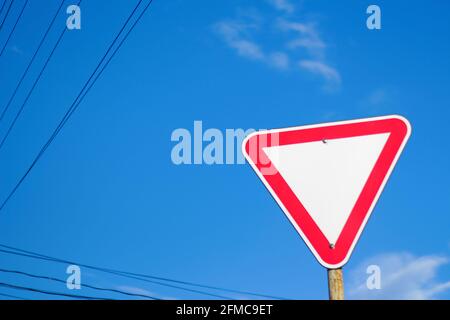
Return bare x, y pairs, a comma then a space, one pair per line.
335, 284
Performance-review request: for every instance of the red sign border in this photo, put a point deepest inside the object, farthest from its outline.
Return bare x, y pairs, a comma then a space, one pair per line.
336, 256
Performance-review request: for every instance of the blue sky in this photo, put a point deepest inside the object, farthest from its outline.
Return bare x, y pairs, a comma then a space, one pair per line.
106, 192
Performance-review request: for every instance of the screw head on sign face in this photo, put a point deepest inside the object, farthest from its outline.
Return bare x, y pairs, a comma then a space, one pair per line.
332, 245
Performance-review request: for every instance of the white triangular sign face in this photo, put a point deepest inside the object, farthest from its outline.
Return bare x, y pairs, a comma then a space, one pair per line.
327, 178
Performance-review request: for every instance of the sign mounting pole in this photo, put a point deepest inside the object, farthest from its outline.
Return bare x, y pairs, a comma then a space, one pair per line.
335, 284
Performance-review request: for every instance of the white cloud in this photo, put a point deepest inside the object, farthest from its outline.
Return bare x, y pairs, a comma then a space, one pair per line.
300, 27
320, 68
311, 44
247, 48
403, 276
376, 101
307, 37
136, 290
279, 60
283, 5
377, 97
16, 50
233, 34
240, 34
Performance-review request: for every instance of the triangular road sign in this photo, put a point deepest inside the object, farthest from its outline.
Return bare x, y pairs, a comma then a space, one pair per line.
328, 177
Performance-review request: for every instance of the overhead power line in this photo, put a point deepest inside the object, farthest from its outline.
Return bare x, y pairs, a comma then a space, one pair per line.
11, 296
72, 107
57, 130
133, 275
31, 62
53, 293
3, 7
85, 285
19, 112
46, 258
6, 14
14, 28
122, 273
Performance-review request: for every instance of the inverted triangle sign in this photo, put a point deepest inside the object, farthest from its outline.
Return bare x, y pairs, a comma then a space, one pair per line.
327, 178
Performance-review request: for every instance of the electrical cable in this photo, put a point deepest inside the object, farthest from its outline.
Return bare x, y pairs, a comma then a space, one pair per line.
11, 296
53, 293
3, 6
14, 28
69, 111
137, 276
31, 62
116, 273
30, 275
6, 15
19, 112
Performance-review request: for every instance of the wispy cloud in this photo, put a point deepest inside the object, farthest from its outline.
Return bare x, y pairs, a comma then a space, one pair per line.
403, 276
322, 69
301, 44
237, 36
247, 48
283, 5
306, 36
16, 50
234, 35
136, 290
280, 60
377, 101
377, 97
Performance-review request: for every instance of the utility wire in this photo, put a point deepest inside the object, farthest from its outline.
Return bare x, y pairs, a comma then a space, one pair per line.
30, 275
172, 286
43, 257
14, 27
6, 15
19, 112
11, 296
3, 7
74, 107
53, 293
137, 276
31, 62
69, 111
64, 120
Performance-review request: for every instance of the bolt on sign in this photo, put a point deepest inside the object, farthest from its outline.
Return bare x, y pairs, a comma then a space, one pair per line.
328, 177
